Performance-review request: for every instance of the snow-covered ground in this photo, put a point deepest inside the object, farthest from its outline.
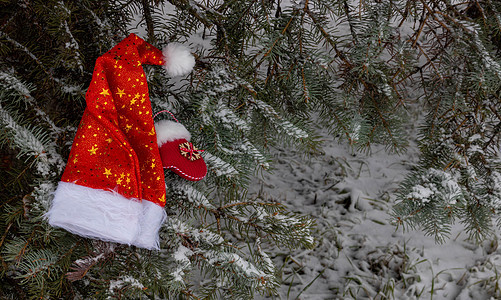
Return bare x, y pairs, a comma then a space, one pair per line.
359, 253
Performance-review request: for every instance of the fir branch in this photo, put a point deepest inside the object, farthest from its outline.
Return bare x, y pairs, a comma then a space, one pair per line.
26, 51
33, 142
193, 8
82, 266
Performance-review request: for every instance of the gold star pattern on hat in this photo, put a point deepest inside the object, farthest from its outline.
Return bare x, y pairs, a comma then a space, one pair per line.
107, 172
120, 92
105, 92
93, 150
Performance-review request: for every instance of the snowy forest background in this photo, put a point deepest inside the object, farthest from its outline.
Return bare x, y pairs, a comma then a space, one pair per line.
332, 129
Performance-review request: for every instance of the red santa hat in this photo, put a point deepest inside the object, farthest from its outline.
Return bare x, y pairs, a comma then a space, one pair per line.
113, 187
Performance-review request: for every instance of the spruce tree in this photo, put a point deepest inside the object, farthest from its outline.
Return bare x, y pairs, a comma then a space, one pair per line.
458, 176
266, 72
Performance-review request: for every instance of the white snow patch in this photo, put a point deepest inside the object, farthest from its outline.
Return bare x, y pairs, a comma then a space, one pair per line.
182, 254
124, 281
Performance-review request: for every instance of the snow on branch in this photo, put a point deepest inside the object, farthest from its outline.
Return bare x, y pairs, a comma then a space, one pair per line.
219, 166
436, 185
248, 148
195, 197
10, 82
229, 119
33, 142
211, 250
123, 281
283, 125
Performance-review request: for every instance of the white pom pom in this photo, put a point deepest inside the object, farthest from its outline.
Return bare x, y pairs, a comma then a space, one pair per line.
178, 59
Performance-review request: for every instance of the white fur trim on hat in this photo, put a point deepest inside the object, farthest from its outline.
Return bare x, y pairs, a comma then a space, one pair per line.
106, 215
168, 131
150, 223
178, 59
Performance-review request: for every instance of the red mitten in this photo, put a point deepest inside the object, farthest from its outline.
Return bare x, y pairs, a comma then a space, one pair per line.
176, 151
